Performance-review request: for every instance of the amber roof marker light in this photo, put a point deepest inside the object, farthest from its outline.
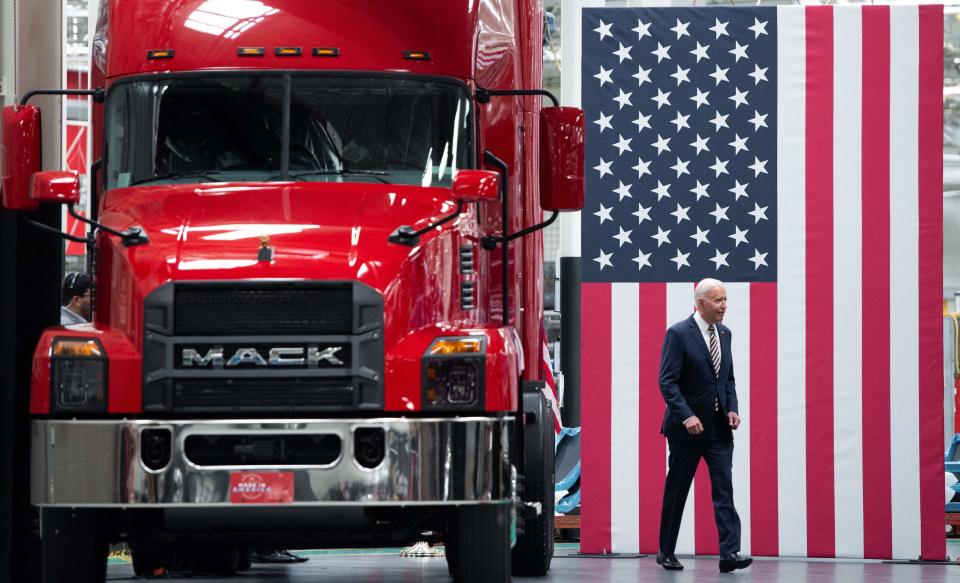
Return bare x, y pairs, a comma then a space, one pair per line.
251, 52
326, 52
160, 54
287, 51
416, 55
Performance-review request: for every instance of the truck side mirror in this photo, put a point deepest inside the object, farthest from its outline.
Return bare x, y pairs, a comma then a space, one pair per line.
562, 134
21, 155
476, 185
55, 186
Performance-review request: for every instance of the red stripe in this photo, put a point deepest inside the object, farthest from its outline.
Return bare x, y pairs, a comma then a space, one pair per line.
764, 537
595, 379
930, 158
877, 527
653, 448
819, 282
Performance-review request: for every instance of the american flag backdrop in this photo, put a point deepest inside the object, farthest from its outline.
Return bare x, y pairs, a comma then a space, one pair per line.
794, 153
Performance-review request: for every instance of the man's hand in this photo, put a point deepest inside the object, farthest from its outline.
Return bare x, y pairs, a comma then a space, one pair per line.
693, 425
734, 420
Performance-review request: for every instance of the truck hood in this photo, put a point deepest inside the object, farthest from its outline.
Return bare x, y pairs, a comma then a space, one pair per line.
317, 230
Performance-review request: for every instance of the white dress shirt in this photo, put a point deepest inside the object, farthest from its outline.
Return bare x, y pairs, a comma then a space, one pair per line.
706, 335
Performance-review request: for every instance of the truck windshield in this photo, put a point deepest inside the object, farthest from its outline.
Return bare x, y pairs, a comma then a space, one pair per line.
317, 128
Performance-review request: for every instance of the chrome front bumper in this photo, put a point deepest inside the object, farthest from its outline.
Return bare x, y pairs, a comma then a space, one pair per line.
427, 462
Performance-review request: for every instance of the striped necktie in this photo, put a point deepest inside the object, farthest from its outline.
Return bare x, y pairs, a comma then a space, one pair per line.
715, 357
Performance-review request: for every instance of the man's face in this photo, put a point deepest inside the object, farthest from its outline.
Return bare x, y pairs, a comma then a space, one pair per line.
714, 305
83, 305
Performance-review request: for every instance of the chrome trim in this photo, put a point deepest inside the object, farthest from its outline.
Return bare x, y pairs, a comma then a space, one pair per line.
427, 462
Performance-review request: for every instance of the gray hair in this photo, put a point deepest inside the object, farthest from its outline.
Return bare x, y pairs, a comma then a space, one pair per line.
704, 287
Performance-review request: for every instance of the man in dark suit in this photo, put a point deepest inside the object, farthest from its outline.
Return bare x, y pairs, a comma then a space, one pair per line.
696, 380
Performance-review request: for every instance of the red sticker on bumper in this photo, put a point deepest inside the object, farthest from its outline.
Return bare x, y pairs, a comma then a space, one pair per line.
261, 487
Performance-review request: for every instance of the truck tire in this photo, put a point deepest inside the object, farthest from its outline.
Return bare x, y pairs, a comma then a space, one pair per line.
533, 553
150, 559
75, 545
481, 544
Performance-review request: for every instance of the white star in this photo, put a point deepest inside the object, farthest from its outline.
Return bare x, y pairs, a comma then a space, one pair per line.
758, 259
720, 167
700, 144
662, 190
604, 122
720, 259
681, 213
758, 74
604, 260
681, 260
662, 52
642, 214
661, 236
680, 167
720, 74
681, 75
623, 145
604, 76
700, 98
700, 190
680, 121
758, 212
681, 29
603, 167
661, 144
661, 98
739, 97
604, 29
720, 213
739, 236
642, 76
642, 259
700, 52
739, 190
642, 168
738, 144
604, 213
623, 52
700, 236
623, 237
758, 120
642, 30
759, 167
720, 28
739, 51
720, 120
623, 190
758, 28
624, 98
642, 121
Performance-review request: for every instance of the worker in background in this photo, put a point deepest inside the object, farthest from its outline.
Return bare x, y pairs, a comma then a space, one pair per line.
75, 299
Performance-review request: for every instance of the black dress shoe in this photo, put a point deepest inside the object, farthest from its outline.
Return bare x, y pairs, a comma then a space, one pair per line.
734, 562
669, 562
295, 557
278, 557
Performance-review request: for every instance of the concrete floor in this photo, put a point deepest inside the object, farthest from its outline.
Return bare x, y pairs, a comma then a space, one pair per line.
353, 566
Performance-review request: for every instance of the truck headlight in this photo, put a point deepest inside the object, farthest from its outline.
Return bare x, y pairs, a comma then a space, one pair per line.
453, 373
78, 375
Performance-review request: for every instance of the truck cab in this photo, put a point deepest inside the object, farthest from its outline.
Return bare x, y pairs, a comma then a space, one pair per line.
317, 287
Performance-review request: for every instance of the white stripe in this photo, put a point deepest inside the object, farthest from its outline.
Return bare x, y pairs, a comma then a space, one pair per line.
625, 419
904, 285
738, 320
791, 295
679, 307
847, 279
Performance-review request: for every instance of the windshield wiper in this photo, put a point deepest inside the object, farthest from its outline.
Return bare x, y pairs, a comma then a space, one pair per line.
375, 174
208, 175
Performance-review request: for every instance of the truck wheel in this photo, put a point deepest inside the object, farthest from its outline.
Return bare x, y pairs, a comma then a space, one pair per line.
74, 544
534, 549
481, 544
150, 559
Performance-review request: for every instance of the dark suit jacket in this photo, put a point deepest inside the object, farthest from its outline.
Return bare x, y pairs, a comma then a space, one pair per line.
688, 383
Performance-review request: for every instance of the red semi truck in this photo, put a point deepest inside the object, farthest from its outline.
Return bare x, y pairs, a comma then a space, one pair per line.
318, 286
